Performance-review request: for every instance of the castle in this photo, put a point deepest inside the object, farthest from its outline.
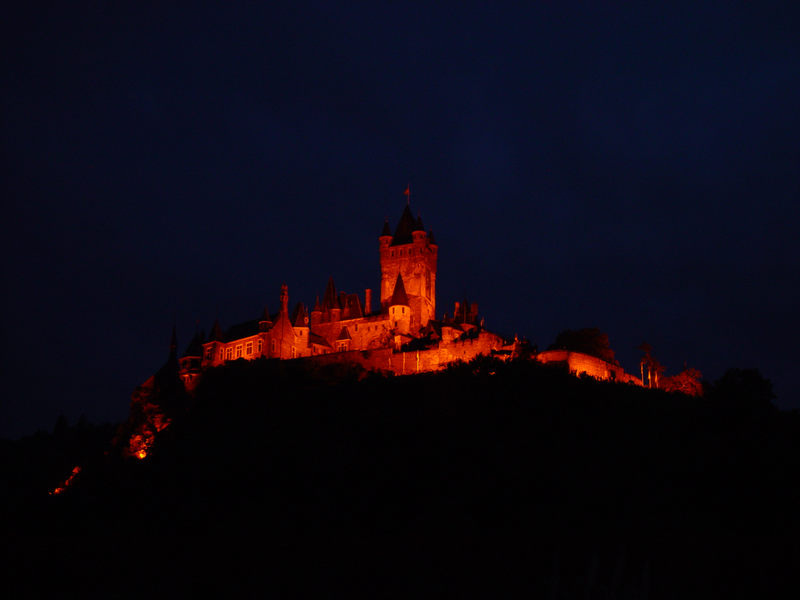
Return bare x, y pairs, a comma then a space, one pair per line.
400, 335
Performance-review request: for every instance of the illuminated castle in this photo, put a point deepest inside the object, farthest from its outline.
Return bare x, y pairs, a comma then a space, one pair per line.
401, 334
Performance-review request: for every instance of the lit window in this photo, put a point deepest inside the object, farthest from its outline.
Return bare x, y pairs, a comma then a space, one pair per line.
248, 349
228, 353
210, 353
258, 346
238, 351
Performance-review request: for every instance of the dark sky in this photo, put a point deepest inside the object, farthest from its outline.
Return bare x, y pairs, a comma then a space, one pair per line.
582, 165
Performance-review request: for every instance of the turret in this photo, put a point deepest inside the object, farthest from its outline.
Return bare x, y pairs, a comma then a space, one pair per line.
300, 324
316, 313
418, 233
330, 303
266, 321
399, 307
385, 237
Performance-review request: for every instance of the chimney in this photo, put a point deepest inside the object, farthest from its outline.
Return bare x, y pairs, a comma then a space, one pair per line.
285, 299
367, 301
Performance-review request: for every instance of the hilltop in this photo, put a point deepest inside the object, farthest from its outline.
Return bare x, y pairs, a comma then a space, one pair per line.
513, 468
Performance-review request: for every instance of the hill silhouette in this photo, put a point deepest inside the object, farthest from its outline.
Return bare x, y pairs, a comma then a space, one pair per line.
486, 477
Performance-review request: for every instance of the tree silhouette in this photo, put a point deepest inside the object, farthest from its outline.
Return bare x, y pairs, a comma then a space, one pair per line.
589, 341
744, 389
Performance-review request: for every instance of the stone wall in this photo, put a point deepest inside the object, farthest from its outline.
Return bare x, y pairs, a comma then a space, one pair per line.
417, 361
579, 363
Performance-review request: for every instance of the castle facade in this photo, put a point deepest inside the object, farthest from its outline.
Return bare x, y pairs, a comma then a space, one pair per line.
400, 334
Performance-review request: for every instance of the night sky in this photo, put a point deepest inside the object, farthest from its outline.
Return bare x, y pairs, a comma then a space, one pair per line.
581, 165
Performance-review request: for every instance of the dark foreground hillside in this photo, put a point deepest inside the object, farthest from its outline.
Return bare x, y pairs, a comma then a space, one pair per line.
481, 480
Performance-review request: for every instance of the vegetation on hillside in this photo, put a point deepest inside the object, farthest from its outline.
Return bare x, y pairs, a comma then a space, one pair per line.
498, 473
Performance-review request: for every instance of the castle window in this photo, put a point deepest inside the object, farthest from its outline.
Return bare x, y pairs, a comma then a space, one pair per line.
258, 346
273, 346
210, 353
248, 349
228, 353
238, 351
294, 352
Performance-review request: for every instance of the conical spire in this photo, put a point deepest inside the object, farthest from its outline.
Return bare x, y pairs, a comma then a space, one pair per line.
386, 229
329, 300
402, 235
399, 296
173, 345
299, 317
216, 332
265, 315
418, 226
195, 347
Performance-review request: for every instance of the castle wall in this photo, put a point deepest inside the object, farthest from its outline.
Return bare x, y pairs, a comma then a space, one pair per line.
579, 363
417, 361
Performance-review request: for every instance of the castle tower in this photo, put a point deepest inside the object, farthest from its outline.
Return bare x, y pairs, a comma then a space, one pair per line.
412, 254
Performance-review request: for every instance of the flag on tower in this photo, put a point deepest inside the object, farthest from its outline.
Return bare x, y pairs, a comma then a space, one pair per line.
408, 190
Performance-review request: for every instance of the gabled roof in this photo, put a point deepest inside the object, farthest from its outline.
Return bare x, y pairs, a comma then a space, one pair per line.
318, 340
399, 296
402, 235
242, 330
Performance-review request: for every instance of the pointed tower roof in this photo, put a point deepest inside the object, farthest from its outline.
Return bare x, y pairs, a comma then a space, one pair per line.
329, 300
173, 345
402, 235
265, 314
344, 334
386, 229
195, 347
418, 226
216, 334
317, 307
431, 239
299, 317
399, 296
